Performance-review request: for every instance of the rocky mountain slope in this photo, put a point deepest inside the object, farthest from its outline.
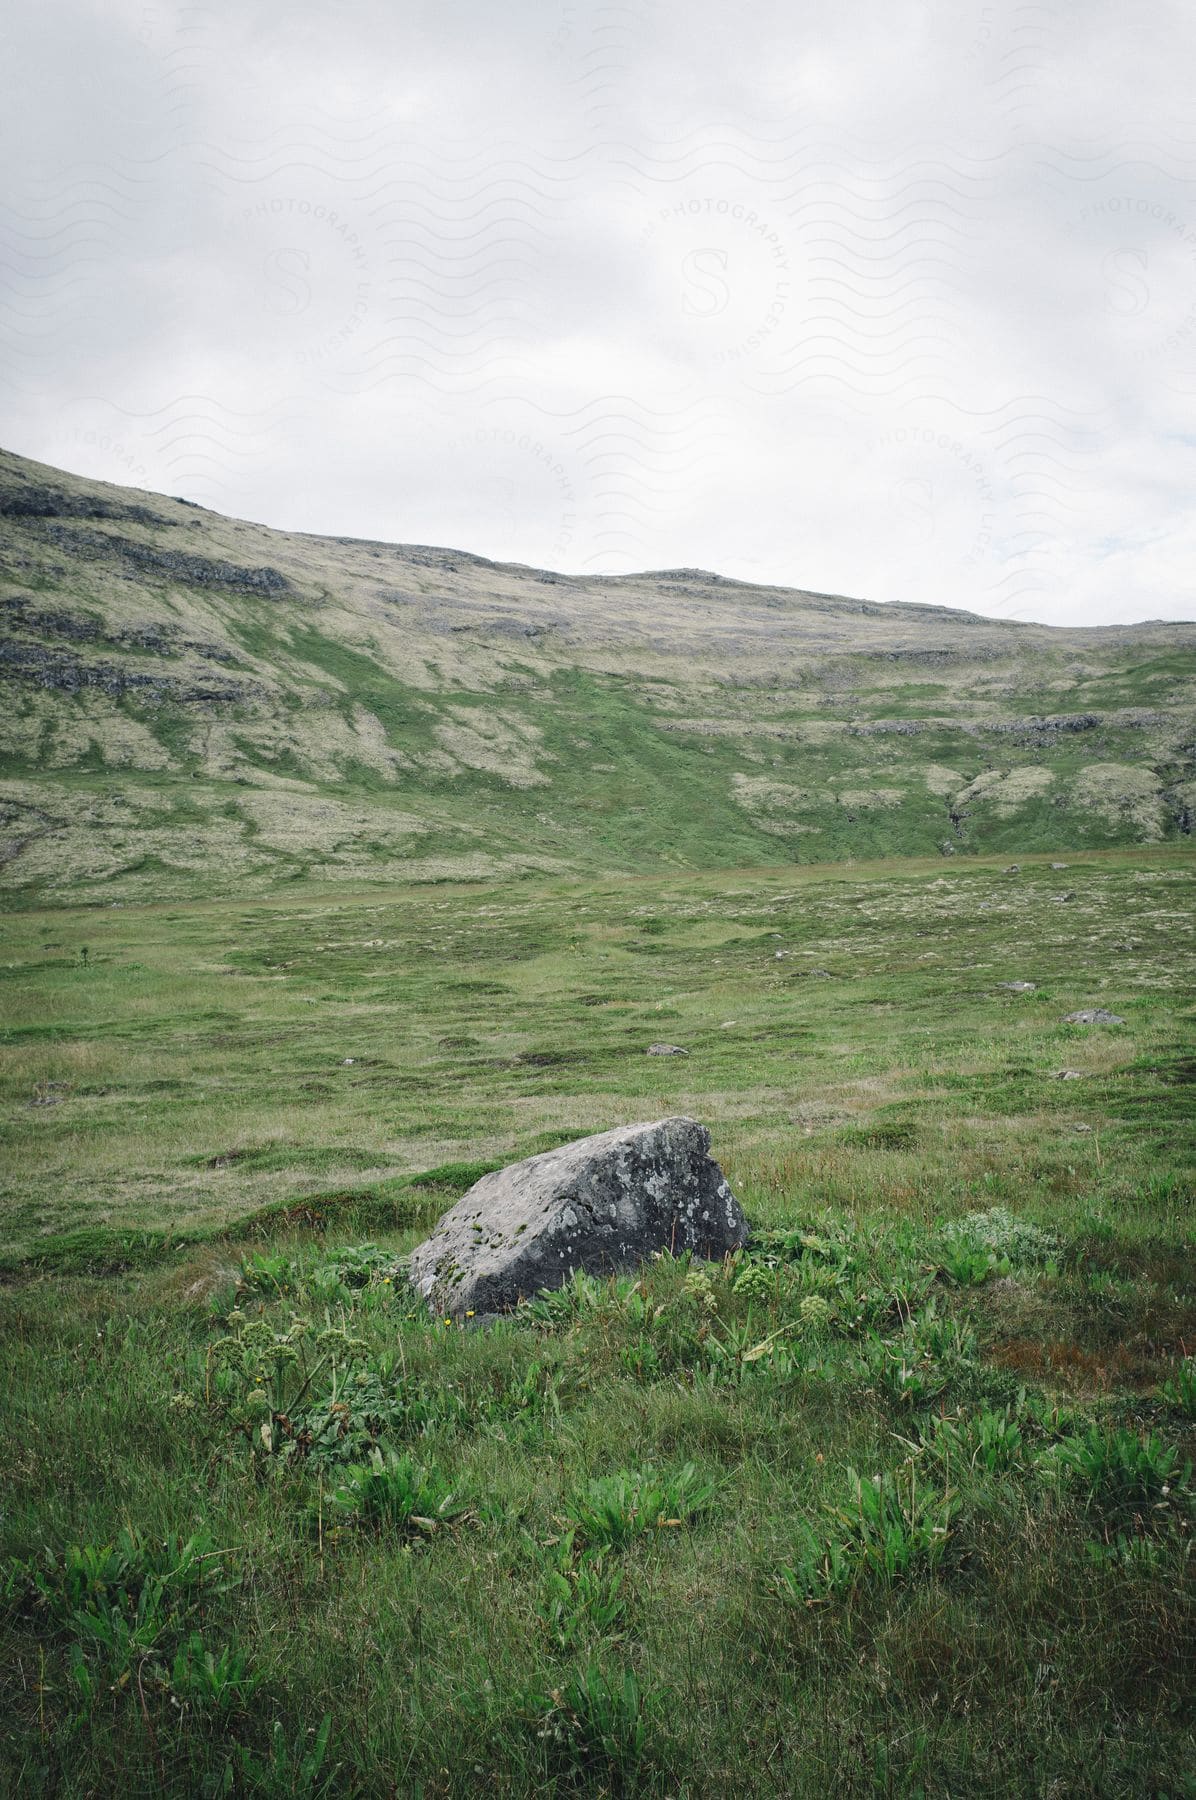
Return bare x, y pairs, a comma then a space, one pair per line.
198, 704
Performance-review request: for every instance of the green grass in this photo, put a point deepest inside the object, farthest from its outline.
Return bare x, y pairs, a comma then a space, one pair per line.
900, 1503
202, 1062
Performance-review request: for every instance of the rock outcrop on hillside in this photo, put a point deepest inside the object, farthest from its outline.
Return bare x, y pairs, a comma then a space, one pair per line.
194, 704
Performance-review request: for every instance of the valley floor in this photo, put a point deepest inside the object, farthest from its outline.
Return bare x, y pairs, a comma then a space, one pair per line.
900, 1502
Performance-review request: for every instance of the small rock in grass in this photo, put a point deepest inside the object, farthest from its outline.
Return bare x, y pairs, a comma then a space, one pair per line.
1058, 865
666, 1050
1017, 987
1069, 1075
50, 1093
1094, 1015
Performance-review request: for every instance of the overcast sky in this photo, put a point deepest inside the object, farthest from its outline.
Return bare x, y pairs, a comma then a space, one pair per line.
891, 299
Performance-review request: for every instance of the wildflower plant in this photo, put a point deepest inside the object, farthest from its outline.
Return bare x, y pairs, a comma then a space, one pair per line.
392, 1490
987, 1442
136, 1608
615, 1509
700, 1289
1122, 1474
298, 1392
595, 1730
580, 1598
815, 1312
892, 1526
755, 1281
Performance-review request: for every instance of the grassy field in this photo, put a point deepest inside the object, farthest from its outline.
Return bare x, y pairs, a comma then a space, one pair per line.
898, 1503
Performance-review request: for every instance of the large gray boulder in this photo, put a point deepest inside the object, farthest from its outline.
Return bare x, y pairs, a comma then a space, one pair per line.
599, 1204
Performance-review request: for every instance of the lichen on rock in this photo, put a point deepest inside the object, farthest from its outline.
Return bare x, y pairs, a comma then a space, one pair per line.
600, 1204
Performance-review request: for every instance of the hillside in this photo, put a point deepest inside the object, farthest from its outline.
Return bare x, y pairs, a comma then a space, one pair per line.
196, 704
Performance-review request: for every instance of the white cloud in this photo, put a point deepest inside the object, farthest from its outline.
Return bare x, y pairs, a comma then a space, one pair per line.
892, 302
